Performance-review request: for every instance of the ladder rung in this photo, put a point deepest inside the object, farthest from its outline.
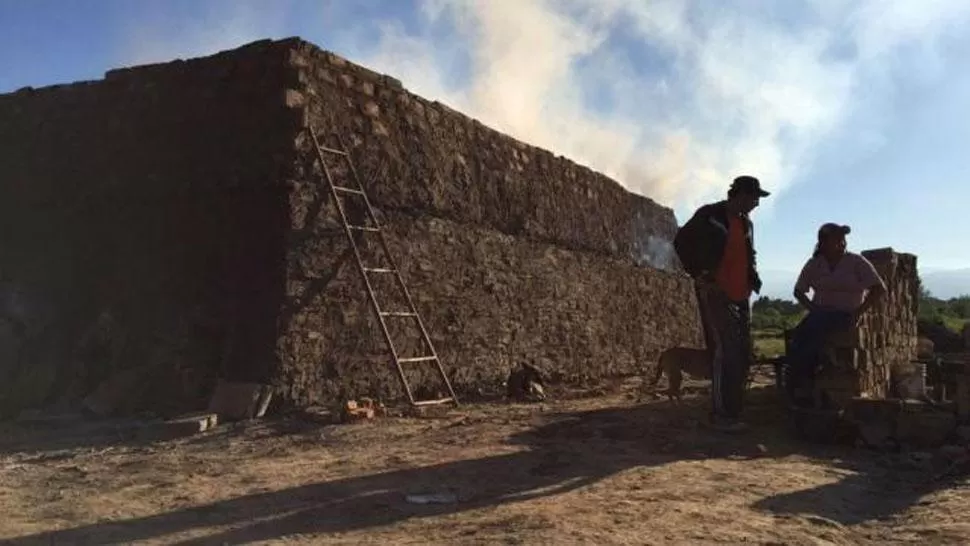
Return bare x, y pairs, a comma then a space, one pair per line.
415, 359
332, 150
363, 228
434, 402
348, 190
398, 314
378, 270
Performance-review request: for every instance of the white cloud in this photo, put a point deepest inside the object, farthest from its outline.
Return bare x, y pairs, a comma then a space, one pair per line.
672, 98
739, 90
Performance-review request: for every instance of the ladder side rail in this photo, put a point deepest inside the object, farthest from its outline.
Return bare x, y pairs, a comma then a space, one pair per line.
400, 281
360, 264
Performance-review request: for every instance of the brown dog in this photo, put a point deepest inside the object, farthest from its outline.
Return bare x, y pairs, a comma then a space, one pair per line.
674, 362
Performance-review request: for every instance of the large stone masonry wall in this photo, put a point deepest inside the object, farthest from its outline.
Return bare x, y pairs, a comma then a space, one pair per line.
166, 225
151, 199
489, 300
512, 254
423, 156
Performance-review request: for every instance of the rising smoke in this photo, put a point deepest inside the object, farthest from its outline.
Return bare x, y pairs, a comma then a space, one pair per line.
657, 253
670, 97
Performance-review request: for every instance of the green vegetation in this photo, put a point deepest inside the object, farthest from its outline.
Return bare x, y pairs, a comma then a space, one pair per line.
771, 314
771, 317
952, 313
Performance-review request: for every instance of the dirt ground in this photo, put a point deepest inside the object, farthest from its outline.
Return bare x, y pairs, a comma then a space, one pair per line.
603, 469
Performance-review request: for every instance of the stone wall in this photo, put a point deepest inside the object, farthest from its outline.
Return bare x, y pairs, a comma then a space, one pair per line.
150, 198
173, 215
427, 157
512, 254
886, 338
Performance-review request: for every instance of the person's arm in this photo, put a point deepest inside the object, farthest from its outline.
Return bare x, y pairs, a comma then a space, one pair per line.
802, 286
873, 284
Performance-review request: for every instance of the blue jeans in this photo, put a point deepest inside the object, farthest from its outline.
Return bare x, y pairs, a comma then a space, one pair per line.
806, 345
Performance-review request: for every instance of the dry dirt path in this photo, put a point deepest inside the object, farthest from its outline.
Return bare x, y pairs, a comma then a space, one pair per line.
603, 470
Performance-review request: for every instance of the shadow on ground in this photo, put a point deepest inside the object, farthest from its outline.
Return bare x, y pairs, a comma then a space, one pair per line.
570, 451
567, 452
877, 488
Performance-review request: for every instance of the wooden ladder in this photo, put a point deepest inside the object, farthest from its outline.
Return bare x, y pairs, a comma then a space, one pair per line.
371, 226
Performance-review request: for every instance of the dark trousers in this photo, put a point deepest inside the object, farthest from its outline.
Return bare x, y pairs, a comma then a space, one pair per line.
727, 332
805, 346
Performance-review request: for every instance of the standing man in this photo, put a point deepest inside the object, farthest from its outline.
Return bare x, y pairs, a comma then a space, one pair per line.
716, 248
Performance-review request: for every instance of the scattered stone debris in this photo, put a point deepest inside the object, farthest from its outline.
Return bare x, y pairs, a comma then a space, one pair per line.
447, 497
955, 453
240, 401
901, 422
111, 394
179, 427
526, 384
362, 410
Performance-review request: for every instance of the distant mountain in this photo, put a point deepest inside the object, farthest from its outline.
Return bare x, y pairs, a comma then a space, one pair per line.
942, 283
778, 284
947, 283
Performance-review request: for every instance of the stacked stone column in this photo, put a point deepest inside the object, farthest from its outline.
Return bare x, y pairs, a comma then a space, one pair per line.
885, 339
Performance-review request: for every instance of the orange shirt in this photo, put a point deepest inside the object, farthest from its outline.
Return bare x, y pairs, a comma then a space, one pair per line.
732, 273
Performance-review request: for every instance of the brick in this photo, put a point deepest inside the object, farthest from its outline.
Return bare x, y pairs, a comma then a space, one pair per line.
293, 98
239, 401
179, 427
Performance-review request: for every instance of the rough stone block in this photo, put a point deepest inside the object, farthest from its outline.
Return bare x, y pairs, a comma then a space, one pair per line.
113, 393
924, 348
920, 424
238, 401
875, 419
179, 427
293, 98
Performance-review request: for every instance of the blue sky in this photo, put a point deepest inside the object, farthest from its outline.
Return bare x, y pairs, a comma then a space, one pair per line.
850, 111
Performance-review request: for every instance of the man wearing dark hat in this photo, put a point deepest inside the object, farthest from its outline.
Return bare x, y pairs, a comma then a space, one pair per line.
716, 248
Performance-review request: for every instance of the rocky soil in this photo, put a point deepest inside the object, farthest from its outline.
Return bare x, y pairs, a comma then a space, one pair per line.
586, 468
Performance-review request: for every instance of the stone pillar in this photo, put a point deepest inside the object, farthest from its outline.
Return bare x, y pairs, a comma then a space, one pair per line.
885, 339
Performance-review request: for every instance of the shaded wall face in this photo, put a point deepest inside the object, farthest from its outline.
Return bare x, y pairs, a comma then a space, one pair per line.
150, 196
511, 253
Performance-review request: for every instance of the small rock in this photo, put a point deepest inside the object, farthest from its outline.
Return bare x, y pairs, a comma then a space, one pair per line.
179, 427
293, 98
921, 456
371, 110
433, 498
379, 128
963, 434
917, 460
954, 453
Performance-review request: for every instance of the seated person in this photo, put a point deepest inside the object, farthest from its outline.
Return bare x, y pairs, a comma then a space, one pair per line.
845, 285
